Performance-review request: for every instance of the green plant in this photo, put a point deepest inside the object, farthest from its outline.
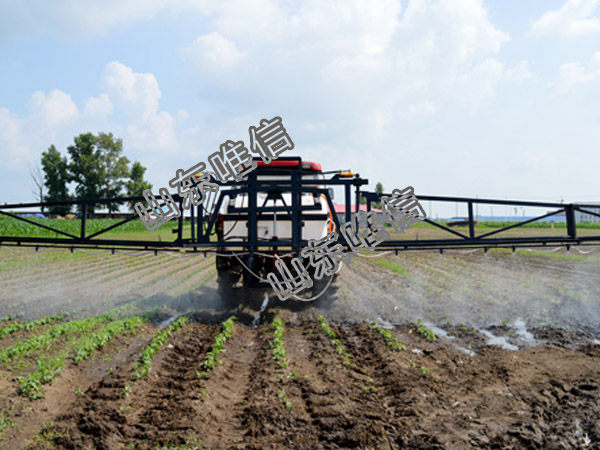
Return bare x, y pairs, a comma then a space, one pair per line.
144, 365
391, 341
424, 370
212, 358
393, 266
286, 400
44, 340
90, 343
370, 388
422, 329
17, 326
276, 344
339, 348
31, 386
126, 390
4, 421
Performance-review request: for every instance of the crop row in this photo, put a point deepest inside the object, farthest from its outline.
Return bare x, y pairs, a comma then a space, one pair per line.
391, 341
339, 347
15, 227
212, 357
30, 325
44, 340
277, 345
79, 350
144, 365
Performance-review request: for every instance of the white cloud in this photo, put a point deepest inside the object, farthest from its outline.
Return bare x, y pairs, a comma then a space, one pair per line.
55, 118
53, 109
215, 50
73, 19
574, 18
12, 138
518, 73
100, 106
575, 76
137, 94
368, 64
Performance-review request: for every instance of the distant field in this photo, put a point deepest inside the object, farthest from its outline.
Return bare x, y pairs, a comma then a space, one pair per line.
134, 229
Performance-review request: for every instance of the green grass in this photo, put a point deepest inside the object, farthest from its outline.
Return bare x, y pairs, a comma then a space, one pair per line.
548, 255
133, 229
392, 266
580, 225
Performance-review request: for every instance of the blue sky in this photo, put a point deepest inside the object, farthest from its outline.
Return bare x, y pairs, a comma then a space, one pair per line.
455, 97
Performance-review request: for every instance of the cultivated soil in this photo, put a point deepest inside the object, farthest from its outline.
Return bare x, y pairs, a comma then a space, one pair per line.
515, 362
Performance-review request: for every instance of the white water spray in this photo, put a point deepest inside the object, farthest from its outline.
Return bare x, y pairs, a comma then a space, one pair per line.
498, 340
257, 314
521, 328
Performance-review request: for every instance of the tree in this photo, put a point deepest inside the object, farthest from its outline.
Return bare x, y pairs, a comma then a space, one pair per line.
38, 184
114, 167
86, 168
136, 184
56, 178
378, 190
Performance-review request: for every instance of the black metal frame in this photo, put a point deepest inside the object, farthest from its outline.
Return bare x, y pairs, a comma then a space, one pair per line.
203, 223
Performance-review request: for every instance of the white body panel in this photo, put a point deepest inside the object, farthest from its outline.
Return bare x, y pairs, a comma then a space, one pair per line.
312, 229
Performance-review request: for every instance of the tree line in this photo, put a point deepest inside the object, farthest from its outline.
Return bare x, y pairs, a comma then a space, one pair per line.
97, 167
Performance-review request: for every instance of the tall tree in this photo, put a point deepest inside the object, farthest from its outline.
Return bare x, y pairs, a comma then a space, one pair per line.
86, 168
137, 184
378, 190
56, 177
115, 167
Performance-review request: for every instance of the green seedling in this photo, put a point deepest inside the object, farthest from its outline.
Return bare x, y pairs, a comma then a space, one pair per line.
144, 365
276, 344
390, 340
4, 421
212, 358
423, 330
17, 326
339, 347
126, 390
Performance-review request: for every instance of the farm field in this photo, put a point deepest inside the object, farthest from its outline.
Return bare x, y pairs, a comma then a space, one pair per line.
419, 350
